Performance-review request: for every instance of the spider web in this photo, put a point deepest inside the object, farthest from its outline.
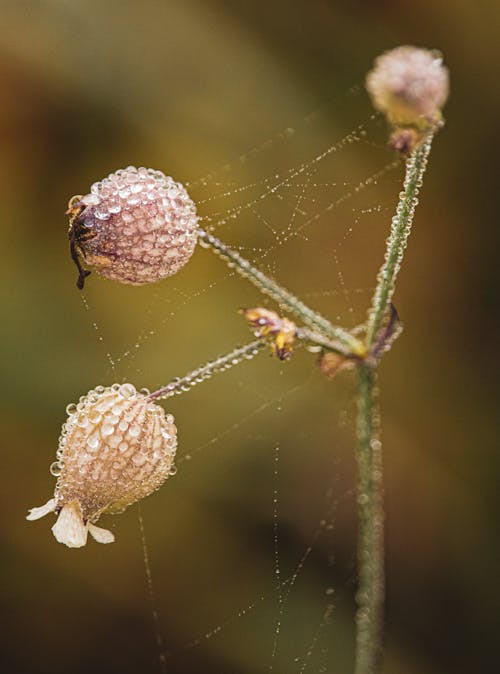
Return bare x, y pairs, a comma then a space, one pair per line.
261, 514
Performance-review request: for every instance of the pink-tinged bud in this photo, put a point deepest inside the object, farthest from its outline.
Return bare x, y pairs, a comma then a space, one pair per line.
409, 85
116, 447
136, 226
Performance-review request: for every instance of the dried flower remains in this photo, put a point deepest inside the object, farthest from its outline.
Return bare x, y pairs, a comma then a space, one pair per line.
410, 86
116, 447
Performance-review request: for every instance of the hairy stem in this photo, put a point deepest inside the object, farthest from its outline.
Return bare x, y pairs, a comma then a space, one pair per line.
398, 237
284, 297
220, 364
370, 593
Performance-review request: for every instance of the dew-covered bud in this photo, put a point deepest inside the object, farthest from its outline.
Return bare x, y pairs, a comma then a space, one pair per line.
266, 324
116, 447
409, 85
136, 226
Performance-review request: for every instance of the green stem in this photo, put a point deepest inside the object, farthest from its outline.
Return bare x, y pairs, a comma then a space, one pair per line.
284, 297
183, 384
370, 593
398, 237
227, 361
318, 339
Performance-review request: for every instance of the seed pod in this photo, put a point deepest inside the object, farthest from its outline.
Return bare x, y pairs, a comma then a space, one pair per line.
136, 226
409, 85
115, 448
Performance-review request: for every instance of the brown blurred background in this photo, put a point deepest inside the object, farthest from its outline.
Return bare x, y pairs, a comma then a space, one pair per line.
189, 87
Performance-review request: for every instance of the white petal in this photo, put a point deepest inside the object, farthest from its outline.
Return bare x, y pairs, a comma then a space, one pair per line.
41, 511
101, 535
70, 528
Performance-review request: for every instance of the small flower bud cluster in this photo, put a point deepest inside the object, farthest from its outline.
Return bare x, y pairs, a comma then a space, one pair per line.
116, 447
410, 86
136, 226
279, 331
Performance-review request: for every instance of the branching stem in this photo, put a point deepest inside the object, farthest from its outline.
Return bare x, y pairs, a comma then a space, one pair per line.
284, 297
370, 595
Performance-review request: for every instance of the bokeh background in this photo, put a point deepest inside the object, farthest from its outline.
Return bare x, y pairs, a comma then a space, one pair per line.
209, 88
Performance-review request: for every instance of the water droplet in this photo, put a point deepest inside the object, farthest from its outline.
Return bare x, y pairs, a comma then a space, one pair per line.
172, 471
94, 416
93, 441
134, 431
107, 429
71, 409
127, 390
55, 469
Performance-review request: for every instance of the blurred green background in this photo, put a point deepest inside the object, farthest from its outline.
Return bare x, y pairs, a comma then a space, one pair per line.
213, 88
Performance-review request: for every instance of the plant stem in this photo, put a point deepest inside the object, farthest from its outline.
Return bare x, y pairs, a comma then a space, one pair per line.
398, 237
318, 339
183, 384
284, 297
370, 594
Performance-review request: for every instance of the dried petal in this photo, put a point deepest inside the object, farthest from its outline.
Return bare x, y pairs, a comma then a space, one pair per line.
70, 528
41, 511
101, 535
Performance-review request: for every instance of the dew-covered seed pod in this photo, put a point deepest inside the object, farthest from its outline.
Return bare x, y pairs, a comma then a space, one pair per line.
409, 85
136, 226
116, 447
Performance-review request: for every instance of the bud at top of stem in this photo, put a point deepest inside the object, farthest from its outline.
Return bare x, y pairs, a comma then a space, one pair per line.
116, 447
136, 226
410, 86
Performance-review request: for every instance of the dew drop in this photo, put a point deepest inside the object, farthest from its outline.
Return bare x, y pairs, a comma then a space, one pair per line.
71, 409
127, 390
83, 421
93, 441
134, 431
94, 416
55, 469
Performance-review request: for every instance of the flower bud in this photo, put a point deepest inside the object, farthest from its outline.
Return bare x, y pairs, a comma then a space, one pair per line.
136, 226
280, 331
409, 85
116, 447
